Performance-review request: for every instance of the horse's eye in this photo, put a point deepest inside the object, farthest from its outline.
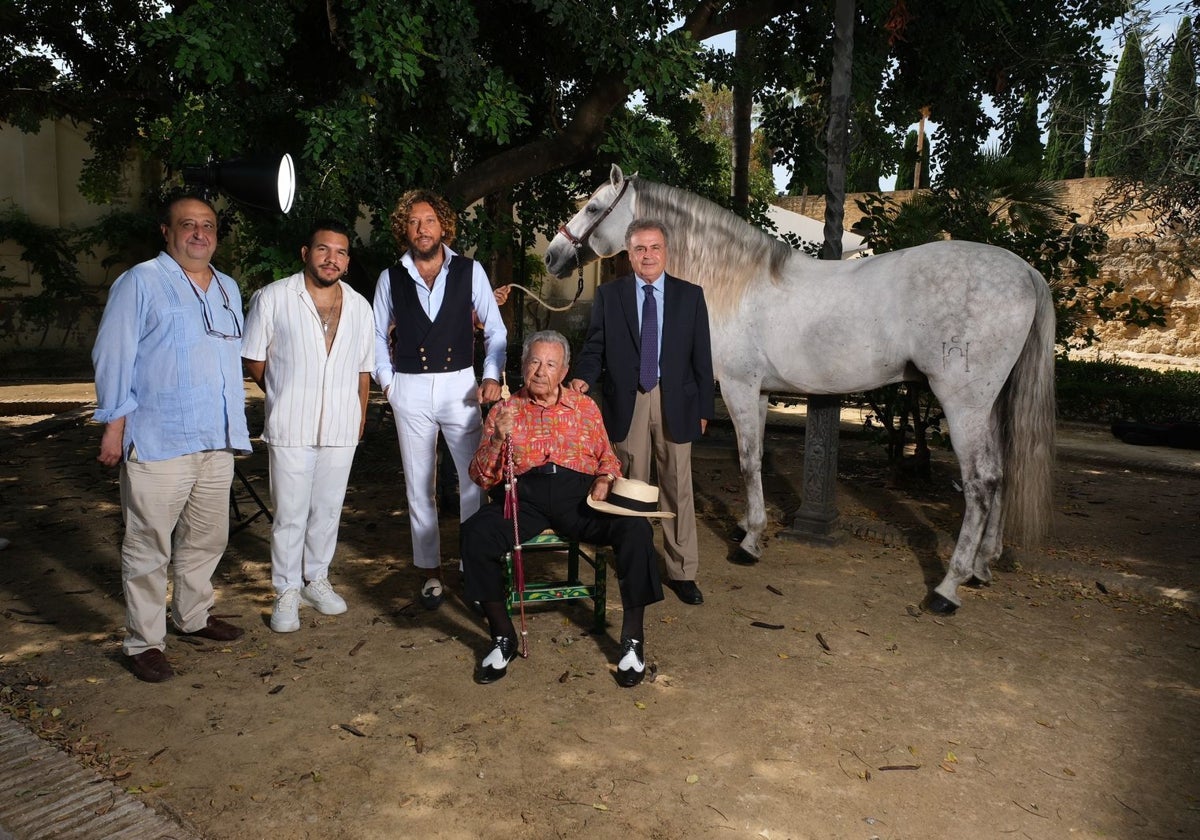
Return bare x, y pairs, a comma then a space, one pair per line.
591, 208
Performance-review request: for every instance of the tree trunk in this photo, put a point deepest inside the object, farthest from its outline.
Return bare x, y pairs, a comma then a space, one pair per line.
743, 111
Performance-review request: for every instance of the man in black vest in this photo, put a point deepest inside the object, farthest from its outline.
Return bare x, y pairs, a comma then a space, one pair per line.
425, 307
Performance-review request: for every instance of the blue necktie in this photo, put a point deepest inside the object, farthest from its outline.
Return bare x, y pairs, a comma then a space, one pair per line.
648, 375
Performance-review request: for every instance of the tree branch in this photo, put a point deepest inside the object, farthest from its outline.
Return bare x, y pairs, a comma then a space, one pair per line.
581, 135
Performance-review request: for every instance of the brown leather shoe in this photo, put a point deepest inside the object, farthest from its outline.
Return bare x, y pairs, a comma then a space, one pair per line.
151, 666
218, 631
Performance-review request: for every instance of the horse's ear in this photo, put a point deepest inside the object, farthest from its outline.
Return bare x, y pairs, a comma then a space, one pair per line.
615, 176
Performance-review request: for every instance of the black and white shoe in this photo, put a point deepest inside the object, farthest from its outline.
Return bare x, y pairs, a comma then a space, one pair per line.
631, 670
495, 665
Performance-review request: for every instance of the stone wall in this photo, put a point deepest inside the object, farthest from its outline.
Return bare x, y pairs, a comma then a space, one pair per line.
1154, 270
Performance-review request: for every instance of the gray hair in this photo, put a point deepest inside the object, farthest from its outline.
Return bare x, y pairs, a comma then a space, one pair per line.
547, 337
639, 225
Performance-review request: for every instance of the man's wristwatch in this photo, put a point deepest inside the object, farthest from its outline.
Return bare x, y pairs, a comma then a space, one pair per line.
611, 478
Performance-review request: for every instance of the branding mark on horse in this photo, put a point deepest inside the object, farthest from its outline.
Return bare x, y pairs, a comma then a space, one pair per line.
955, 348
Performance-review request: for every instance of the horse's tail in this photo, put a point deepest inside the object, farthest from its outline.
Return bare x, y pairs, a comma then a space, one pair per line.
1027, 428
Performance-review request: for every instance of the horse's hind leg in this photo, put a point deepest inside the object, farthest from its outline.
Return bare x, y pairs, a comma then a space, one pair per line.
978, 449
992, 543
748, 411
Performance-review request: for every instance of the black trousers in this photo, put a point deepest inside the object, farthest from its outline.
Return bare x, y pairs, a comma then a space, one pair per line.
557, 501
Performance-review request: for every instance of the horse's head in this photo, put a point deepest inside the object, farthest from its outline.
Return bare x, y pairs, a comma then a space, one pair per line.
598, 230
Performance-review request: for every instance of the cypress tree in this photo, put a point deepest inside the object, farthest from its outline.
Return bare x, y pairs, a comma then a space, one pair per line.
1024, 144
1170, 141
908, 159
1065, 155
1121, 153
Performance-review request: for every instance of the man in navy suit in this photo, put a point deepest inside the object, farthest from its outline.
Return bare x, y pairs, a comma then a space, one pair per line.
649, 337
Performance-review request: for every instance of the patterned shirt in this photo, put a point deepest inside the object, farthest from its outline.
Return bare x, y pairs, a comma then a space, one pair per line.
569, 433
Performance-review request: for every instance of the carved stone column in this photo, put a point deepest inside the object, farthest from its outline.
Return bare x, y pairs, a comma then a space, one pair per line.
817, 517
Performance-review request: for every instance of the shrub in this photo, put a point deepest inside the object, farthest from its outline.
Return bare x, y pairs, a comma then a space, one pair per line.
1103, 391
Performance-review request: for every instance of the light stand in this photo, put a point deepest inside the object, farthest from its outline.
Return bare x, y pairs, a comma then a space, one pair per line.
265, 183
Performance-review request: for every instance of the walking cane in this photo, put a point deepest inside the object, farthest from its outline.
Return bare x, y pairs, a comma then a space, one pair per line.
510, 512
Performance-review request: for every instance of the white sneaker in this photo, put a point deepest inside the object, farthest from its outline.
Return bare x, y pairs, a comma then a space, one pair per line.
285, 617
320, 596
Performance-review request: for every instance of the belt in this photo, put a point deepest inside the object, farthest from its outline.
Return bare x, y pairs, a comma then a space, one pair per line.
544, 469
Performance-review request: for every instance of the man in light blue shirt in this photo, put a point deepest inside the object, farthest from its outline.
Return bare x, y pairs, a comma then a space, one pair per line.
169, 391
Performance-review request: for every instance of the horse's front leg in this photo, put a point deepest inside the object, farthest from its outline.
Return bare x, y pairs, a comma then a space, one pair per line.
748, 411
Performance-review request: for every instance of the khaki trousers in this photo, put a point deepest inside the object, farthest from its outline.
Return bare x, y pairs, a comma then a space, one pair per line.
177, 513
648, 437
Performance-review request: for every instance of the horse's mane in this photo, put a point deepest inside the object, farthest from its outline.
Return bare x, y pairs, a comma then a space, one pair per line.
711, 246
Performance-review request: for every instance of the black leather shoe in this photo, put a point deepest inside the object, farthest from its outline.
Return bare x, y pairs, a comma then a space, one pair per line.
151, 666
687, 590
631, 667
495, 665
217, 630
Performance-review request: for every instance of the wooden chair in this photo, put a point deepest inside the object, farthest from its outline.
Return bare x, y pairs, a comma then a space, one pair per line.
571, 589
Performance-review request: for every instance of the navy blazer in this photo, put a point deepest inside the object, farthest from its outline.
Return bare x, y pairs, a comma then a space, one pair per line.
613, 347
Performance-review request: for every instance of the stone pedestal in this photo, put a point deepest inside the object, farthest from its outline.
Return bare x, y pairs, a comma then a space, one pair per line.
817, 518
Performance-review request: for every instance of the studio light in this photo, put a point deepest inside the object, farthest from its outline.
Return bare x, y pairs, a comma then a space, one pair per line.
265, 183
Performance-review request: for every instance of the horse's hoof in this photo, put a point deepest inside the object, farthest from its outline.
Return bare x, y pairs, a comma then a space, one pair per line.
737, 534
939, 604
742, 557
977, 583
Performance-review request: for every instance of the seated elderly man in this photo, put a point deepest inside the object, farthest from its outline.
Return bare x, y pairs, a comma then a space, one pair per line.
565, 471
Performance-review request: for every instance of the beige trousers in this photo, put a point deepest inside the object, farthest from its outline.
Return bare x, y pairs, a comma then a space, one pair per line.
673, 461
177, 513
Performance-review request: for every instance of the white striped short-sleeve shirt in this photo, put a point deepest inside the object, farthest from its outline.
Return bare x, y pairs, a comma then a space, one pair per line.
312, 396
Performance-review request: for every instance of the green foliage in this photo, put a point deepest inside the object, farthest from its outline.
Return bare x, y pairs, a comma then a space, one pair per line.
1122, 154
1023, 143
908, 164
1102, 391
1065, 155
481, 99
1172, 132
50, 253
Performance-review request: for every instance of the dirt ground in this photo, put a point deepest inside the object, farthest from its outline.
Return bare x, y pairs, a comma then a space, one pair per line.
1060, 702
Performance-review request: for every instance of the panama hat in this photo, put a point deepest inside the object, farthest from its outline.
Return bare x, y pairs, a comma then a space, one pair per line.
629, 497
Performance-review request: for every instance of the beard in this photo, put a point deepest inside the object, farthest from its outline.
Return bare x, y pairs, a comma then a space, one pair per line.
433, 251
323, 282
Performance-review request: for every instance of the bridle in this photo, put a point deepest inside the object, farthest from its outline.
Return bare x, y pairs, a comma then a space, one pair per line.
580, 242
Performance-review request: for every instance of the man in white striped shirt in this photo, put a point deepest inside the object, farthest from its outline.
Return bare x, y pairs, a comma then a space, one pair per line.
309, 343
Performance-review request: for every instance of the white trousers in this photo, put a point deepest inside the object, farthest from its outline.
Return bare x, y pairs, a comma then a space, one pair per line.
308, 486
422, 404
176, 512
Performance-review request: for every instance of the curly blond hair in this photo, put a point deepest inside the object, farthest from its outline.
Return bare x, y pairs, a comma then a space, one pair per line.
441, 208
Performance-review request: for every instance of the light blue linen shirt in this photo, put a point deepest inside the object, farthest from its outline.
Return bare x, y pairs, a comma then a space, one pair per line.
659, 286
179, 389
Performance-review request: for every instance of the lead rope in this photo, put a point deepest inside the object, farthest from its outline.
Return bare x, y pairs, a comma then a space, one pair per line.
578, 290
510, 512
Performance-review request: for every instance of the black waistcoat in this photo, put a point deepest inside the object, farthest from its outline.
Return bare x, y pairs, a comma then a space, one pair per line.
447, 342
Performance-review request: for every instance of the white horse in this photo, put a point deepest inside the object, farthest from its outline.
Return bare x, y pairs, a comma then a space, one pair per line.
974, 321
